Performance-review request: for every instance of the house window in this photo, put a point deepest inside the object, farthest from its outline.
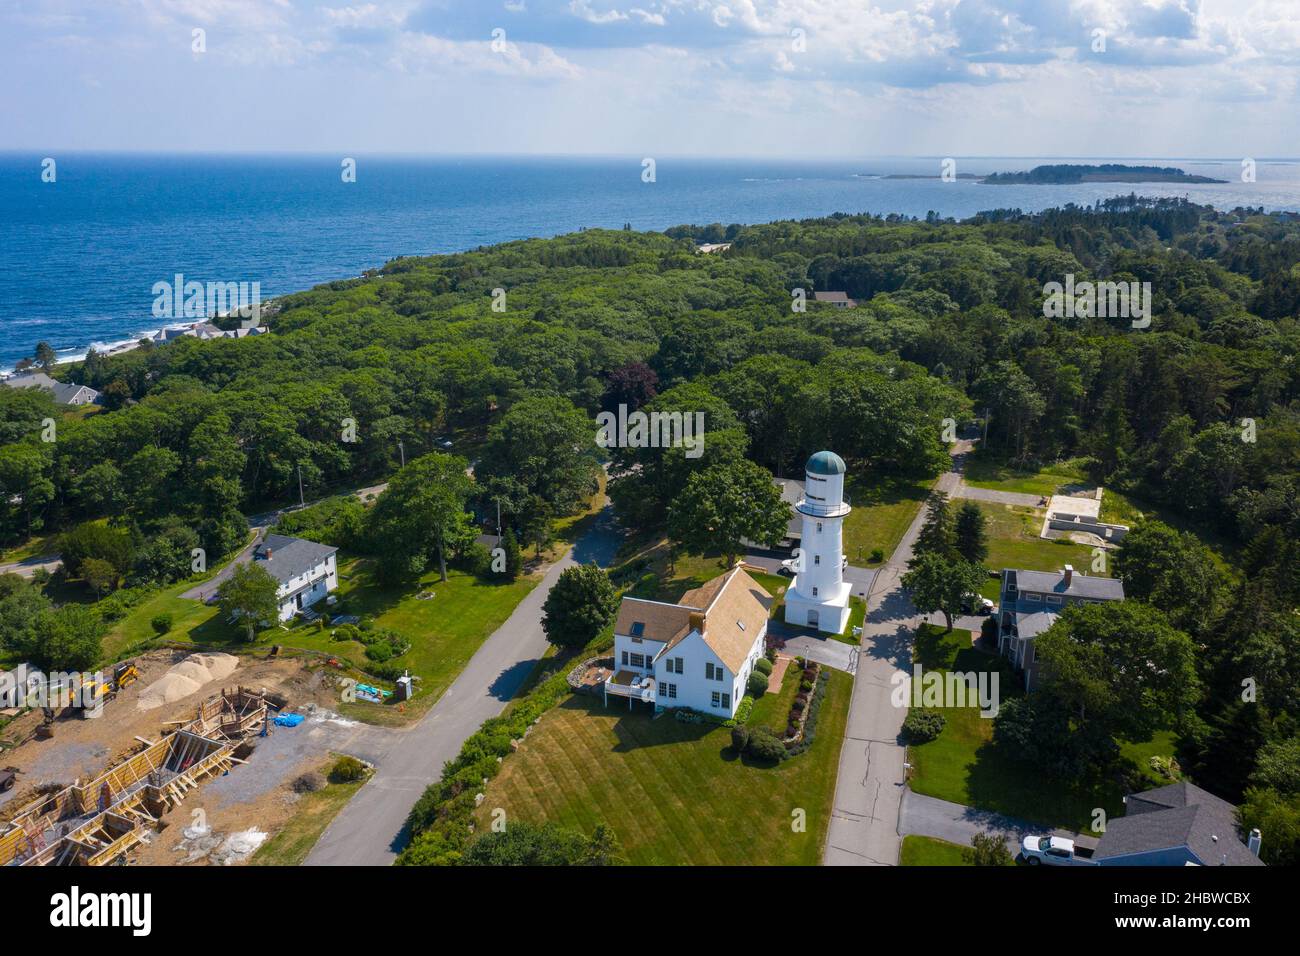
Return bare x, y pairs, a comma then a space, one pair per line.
1030, 596
670, 691
708, 670
1053, 599
726, 701
625, 658
717, 699
638, 660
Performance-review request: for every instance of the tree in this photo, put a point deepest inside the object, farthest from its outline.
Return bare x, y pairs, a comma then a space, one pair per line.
542, 446
249, 594
582, 603
970, 539
66, 639
422, 511
1278, 766
1120, 665
18, 612
514, 555
725, 505
1172, 571
100, 575
546, 844
95, 540
939, 584
46, 357
987, 849
1277, 817
535, 521
937, 534
632, 385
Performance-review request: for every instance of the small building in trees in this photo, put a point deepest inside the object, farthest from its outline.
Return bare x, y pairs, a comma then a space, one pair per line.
65, 393
697, 653
305, 571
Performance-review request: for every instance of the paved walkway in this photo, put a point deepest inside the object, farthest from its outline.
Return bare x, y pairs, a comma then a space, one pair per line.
929, 816
964, 490
869, 788
370, 831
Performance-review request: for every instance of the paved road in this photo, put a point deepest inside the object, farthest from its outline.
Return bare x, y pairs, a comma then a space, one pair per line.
28, 567
929, 816
869, 789
823, 650
370, 831
964, 490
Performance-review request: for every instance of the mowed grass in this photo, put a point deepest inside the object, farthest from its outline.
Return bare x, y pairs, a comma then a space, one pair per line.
927, 851
985, 472
963, 764
674, 793
882, 512
1014, 543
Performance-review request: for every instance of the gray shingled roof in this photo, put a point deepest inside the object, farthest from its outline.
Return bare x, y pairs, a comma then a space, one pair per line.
1180, 814
1081, 585
290, 557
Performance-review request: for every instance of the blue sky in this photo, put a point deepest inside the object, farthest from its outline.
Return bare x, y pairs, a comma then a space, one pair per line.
816, 78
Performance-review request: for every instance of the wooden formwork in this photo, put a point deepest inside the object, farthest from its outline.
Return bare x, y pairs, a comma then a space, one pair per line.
232, 714
94, 823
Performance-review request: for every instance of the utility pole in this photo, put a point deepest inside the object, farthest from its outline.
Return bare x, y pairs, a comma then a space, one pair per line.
401, 447
302, 502
985, 440
498, 501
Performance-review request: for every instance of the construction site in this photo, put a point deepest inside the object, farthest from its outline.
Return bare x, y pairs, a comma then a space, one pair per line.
100, 791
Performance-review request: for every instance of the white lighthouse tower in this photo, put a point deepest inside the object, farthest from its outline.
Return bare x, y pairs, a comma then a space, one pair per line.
819, 596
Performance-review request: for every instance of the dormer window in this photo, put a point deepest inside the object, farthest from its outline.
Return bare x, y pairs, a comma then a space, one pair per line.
638, 628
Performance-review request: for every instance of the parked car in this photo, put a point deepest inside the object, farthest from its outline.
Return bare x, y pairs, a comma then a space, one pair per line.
977, 604
1055, 851
789, 565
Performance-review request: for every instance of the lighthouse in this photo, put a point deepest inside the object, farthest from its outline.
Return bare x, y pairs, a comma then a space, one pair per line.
818, 596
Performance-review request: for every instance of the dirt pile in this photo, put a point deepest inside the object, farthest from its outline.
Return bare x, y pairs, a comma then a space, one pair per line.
185, 678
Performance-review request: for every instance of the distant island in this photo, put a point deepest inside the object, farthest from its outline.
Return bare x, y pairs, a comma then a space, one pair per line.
1068, 173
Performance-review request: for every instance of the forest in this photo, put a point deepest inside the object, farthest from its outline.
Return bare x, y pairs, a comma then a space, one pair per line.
515, 348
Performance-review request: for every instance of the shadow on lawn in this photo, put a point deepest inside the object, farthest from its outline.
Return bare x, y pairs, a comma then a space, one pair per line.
638, 728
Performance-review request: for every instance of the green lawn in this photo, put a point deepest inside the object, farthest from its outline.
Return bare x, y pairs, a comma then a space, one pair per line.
964, 766
927, 851
773, 708
983, 472
673, 793
1014, 543
882, 512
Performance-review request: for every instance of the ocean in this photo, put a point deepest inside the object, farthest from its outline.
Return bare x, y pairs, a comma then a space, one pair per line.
79, 256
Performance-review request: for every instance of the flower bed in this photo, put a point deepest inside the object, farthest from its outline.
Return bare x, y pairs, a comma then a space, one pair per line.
801, 708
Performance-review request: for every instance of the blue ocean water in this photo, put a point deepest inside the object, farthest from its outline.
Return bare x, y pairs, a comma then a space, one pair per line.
79, 256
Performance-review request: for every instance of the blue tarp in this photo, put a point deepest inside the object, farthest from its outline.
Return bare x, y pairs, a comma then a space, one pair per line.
289, 720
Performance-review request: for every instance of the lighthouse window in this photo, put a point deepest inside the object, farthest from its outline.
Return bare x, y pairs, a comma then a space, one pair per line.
814, 592
819, 527
817, 559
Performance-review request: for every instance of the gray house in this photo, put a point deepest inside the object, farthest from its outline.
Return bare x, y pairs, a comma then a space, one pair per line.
1030, 602
1177, 825
65, 393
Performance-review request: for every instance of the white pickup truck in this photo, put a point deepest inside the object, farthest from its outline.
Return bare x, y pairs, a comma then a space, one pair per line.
1055, 851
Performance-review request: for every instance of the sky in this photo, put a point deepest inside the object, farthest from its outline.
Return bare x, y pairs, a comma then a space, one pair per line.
756, 78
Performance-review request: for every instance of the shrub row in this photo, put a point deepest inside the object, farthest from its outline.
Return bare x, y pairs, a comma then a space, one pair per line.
814, 708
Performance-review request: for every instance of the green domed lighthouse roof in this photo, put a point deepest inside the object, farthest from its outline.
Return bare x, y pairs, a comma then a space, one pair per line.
825, 463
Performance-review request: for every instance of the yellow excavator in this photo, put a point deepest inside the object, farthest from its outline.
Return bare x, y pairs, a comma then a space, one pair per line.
94, 695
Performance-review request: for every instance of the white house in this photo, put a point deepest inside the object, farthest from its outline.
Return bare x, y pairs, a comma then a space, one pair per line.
697, 653
305, 570
819, 596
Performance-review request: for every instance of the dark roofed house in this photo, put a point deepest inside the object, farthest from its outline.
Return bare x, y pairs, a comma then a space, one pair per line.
65, 393
1030, 602
1177, 825
305, 570
840, 300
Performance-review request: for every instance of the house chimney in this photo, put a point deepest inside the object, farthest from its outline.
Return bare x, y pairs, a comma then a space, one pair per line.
697, 621
1068, 573
1252, 844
